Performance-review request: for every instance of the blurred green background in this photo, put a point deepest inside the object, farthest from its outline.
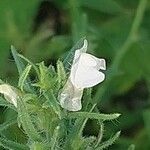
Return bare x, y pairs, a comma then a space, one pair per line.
47, 29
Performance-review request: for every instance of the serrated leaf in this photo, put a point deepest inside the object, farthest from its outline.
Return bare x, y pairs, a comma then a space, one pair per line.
52, 102
5, 103
38, 146
75, 136
87, 98
53, 142
26, 121
20, 66
7, 124
19, 63
12, 145
100, 135
23, 77
61, 72
28, 61
89, 115
88, 142
109, 142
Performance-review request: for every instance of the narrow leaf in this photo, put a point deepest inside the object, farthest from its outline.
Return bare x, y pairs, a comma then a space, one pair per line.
93, 115
7, 124
20, 66
54, 138
100, 135
19, 63
26, 121
52, 102
12, 145
23, 77
75, 135
32, 64
108, 142
61, 72
5, 103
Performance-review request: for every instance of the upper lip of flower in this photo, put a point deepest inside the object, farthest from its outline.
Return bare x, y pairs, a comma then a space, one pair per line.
83, 65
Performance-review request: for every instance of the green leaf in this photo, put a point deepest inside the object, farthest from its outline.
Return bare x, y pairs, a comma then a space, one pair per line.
87, 98
19, 63
89, 115
52, 102
26, 121
47, 77
20, 66
61, 73
23, 77
32, 64
109, 142
106, 6
75, 136
88, 142
5, 103
53, 142
7, 124
100, 135
12, 145
38, 146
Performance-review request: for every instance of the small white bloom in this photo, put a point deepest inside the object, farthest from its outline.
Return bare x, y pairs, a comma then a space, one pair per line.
9, 93
84, 74
70, 97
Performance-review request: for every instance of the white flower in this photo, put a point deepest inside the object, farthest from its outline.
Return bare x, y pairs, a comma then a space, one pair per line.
84, 74
70, 97
10, 93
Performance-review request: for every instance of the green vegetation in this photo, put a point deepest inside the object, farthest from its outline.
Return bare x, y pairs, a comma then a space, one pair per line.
44, 32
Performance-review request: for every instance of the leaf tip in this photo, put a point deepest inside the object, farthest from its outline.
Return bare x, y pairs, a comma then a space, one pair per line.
118, 115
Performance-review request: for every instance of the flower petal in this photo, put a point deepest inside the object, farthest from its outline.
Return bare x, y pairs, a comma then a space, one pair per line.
101, 64
78, 52
87, 77
88, 60
84, 73
70, 97
83, 49
9, 93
